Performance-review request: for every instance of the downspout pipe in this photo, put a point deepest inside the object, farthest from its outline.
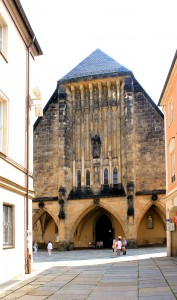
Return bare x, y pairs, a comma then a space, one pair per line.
28, 233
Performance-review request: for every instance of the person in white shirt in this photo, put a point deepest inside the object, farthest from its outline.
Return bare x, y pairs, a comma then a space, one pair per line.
49, 248
118, 246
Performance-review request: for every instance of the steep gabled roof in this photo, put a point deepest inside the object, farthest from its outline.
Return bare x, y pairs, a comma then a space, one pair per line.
97, 64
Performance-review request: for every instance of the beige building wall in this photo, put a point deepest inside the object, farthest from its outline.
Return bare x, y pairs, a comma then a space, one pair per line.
16, 180
168, 101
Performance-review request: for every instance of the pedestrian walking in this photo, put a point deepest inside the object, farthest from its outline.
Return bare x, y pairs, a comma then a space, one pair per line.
115, 247
124, 246
49, 248
118, 246
113, 244
35, 248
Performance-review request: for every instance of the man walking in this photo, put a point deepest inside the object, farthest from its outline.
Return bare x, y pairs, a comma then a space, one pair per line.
49, 248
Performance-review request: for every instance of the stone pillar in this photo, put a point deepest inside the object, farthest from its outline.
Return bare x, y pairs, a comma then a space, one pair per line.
87, 137
83, 169
91, 95
105, 133
129, 128
110, 167
82, 96
109, 90
61, 216
118, 89
74, 173
114, 131
99, 95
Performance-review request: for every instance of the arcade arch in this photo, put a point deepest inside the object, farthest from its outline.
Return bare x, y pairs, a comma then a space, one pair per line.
151, 227
44, 228
98, 224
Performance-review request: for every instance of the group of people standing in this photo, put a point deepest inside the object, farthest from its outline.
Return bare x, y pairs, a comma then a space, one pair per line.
119, 245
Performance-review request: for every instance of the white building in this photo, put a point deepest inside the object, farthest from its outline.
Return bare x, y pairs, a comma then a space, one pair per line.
18, 47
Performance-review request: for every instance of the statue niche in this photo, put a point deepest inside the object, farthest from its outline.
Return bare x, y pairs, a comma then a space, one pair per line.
96, 144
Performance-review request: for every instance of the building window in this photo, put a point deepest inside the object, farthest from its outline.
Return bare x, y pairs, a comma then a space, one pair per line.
115, 176
7, 225
79, 179
171, 111
3, 37
87, 178
105, 176
3, 123
172, 160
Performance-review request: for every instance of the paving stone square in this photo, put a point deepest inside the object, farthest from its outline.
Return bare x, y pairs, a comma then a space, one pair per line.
145, 273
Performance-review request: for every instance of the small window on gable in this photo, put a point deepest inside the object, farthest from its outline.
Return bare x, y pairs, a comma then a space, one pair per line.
3, 123
79, 179
87, 178
170, 111
105, 176
3, 36
8, 239
172, 160
115, 176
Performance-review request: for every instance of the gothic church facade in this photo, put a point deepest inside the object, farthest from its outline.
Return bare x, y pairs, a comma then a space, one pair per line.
99, 164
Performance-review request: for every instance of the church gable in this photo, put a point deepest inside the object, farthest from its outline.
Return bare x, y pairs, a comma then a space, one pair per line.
99, 158
96, 65
108, 134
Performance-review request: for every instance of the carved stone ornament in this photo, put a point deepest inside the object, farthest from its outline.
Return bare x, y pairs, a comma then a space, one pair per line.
96, 201
96, 142
61, 202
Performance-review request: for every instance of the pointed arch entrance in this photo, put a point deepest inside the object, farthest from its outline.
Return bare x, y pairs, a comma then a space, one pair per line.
104, 231
96, 225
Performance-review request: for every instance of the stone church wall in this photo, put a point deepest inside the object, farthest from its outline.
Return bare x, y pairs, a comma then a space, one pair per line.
128, 131
46, 152
149, 145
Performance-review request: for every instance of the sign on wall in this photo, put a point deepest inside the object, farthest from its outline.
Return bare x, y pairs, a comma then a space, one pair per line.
170, 226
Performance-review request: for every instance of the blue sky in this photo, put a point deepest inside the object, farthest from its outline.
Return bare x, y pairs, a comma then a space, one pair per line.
139, 34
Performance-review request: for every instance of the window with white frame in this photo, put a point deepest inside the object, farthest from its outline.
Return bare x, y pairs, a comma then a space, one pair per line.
3, 123
8, 225
3, 36
172, 160
170, 111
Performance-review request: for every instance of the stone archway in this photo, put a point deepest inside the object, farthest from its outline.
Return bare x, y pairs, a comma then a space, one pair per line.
88, 229
151, 229
44, 229
104, 231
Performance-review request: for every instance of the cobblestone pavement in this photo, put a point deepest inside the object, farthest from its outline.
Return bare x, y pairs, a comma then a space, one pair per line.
96, 274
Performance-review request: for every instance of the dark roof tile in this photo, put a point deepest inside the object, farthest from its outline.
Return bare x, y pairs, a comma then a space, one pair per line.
96, 64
